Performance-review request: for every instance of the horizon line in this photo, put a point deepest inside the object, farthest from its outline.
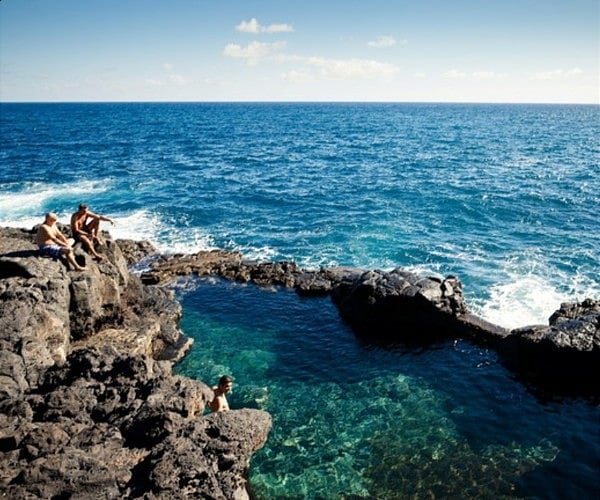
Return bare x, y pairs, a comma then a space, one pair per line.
249, 101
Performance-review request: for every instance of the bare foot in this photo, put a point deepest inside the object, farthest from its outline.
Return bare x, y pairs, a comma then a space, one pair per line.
98, 257
79, 268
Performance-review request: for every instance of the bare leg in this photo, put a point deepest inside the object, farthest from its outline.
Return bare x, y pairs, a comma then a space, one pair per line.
71, 258
89, 246
94, 227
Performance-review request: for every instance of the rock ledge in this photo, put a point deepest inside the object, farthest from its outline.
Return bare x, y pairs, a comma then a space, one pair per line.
89, 406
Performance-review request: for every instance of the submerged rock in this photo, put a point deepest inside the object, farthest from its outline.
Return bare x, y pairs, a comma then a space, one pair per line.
89, 407
402, 307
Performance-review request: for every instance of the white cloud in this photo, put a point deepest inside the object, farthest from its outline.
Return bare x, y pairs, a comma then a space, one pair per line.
350, 69
169, 78
557, 74
488, 75
254, 27
299, 76
155, 83
455, 74
307, 68
178, 79
385, 41
253, 51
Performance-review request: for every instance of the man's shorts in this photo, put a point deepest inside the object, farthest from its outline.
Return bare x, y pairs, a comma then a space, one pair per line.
51, 250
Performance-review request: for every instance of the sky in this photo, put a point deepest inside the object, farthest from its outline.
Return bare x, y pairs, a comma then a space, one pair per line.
528, 51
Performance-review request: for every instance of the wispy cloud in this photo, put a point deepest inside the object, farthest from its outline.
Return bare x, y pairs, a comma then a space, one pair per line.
307, 69
351, 69
319, 68
299, 76
385, 41
254, 27
254, 51
557, 74
169, 78
455, 74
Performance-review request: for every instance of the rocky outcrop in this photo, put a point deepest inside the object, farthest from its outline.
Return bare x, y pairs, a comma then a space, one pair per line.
401, 307
113, 425
89, 406
564, 352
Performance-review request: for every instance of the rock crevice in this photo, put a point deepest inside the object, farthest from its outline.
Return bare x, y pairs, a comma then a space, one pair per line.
89, 406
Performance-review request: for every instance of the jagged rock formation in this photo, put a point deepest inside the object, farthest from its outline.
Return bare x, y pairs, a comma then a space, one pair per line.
565, 353
399, 306
89, 407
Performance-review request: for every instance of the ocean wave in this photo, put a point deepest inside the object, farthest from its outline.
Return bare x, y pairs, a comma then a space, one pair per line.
150, 226
530, 298
19, 201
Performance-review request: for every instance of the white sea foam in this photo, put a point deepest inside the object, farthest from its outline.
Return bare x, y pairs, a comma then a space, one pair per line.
523, 301
16, 206
260, 254
530, 299
147, 225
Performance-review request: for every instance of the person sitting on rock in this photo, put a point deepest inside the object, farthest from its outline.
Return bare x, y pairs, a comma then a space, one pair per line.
85, 226
219, 403
53, 243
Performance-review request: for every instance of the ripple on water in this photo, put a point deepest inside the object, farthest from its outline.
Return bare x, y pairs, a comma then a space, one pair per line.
350, 421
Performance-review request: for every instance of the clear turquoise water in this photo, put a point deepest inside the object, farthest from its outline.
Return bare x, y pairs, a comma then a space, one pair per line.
352, 420
503, 196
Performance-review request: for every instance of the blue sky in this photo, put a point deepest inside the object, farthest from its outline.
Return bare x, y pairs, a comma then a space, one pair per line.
309, 50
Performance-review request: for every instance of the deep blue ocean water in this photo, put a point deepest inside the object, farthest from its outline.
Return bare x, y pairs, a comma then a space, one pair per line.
504, 196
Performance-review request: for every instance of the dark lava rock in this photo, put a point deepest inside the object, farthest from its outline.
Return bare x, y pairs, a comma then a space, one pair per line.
89, 407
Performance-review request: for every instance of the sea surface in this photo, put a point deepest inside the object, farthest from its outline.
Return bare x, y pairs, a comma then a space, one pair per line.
504, 196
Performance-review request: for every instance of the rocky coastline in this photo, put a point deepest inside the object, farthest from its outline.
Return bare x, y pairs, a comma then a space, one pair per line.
388, 308
88, 401
89, 406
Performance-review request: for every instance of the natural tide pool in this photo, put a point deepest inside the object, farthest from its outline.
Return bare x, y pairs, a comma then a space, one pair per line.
356, 421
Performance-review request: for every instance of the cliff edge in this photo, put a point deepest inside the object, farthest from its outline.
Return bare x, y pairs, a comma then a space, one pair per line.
89, 406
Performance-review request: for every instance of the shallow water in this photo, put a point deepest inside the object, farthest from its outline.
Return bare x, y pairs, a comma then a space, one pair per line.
503, 196
352, 420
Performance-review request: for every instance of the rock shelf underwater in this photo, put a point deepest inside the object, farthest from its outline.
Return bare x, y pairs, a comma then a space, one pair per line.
401, 307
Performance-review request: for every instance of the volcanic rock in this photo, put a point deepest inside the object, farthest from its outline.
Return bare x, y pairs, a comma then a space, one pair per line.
89, 406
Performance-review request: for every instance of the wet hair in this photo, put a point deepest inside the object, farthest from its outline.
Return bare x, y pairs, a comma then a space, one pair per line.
83, 206
225, 379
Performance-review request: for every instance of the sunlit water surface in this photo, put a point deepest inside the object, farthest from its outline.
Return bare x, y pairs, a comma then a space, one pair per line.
352, 420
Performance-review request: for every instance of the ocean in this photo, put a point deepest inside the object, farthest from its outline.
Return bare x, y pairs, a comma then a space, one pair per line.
503, 196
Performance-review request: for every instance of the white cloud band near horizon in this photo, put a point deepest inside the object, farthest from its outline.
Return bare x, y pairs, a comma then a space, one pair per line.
474, 75
313, 68
557, 74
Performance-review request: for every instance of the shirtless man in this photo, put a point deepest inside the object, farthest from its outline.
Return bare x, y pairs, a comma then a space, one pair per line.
219, 403
85, 226
53, 243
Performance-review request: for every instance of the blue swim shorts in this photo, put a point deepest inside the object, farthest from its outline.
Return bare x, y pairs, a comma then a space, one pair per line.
51, 250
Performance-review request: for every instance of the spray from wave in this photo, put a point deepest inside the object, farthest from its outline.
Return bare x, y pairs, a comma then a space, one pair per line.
166, 237
24, 204
531, 290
